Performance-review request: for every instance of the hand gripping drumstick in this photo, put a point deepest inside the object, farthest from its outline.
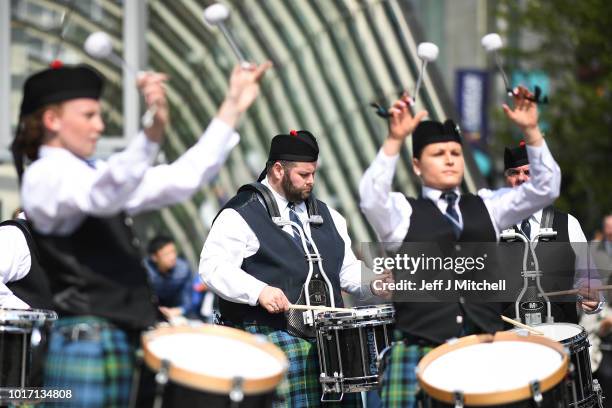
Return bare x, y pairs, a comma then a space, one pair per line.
521, 325
427, 52
98, 45
493, 42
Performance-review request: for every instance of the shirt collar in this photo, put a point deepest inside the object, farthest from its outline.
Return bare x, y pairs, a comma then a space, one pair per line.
434, 194
536, 216
280, 200
50, 151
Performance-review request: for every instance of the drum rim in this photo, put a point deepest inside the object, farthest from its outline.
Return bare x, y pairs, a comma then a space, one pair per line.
384, 311
31, 315
581, 332
492, 398
207, 382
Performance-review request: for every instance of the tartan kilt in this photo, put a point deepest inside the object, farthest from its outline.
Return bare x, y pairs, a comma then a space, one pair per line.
399, 386
301, 387
97, 371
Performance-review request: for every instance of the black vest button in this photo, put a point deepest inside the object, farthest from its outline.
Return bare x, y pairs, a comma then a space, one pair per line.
129, 221
136, 242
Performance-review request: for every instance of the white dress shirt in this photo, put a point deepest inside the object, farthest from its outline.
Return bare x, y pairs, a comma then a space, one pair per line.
14, 264
231, 240
389, 212
60, 189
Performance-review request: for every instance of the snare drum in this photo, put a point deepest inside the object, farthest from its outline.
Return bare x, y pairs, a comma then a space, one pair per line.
212, 366
23, 342
504, 370
575, 339
349, 344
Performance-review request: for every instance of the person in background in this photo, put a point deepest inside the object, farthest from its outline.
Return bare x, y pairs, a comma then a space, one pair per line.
170, 276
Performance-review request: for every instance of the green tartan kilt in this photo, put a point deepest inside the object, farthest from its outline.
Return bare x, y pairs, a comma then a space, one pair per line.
301, 387
399, 386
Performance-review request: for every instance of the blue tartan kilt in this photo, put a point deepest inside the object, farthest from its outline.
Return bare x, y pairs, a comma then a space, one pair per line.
301, 387
98, 372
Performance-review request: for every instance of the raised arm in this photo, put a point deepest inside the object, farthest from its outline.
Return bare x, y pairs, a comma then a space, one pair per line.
389, 212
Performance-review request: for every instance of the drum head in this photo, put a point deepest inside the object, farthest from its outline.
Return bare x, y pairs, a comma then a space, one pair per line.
211, 357
492, 370
560, 331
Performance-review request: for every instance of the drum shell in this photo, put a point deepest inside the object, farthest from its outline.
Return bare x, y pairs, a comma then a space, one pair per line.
581, 377
23, 347
553, 386
553, 398
177, 395
15, 359
187, 387
349, 348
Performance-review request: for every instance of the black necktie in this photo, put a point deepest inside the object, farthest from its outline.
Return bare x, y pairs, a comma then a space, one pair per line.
451, 198
526, 228
296, 234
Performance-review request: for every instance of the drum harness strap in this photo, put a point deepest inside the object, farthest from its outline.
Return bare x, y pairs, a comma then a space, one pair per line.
311, 251
545, 232
313, 258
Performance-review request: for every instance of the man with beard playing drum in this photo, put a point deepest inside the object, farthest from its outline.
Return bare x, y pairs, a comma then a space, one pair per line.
255, 260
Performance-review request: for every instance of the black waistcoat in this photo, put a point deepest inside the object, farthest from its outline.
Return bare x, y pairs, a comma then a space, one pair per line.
97, 270
435, 322
279, 262
34, 287
556, 259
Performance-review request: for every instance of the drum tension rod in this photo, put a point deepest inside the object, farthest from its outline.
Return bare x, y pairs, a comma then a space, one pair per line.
161, 378
458, 397
536, 392
236, 394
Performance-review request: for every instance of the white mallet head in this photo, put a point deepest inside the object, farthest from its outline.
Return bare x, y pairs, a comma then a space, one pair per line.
428, 51
491, 42
99, 45
216, 13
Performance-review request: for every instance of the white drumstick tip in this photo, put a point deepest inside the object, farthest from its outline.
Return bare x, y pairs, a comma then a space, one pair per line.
216, 13
491, 42
99, 45
427, 51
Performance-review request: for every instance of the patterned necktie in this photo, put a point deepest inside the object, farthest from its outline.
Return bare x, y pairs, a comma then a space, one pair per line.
296, 234
526, 228
451, 197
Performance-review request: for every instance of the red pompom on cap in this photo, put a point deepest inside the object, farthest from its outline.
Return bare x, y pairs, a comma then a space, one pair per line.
521, 143
56, 64
293, 132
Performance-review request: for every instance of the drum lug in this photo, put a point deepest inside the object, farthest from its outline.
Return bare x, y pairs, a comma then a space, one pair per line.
161, 378
459, 400
237, 394
536, 392
308, 318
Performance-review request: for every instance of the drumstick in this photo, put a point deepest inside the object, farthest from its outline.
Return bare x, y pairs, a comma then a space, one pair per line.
574, 291
321, 308
521, 325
